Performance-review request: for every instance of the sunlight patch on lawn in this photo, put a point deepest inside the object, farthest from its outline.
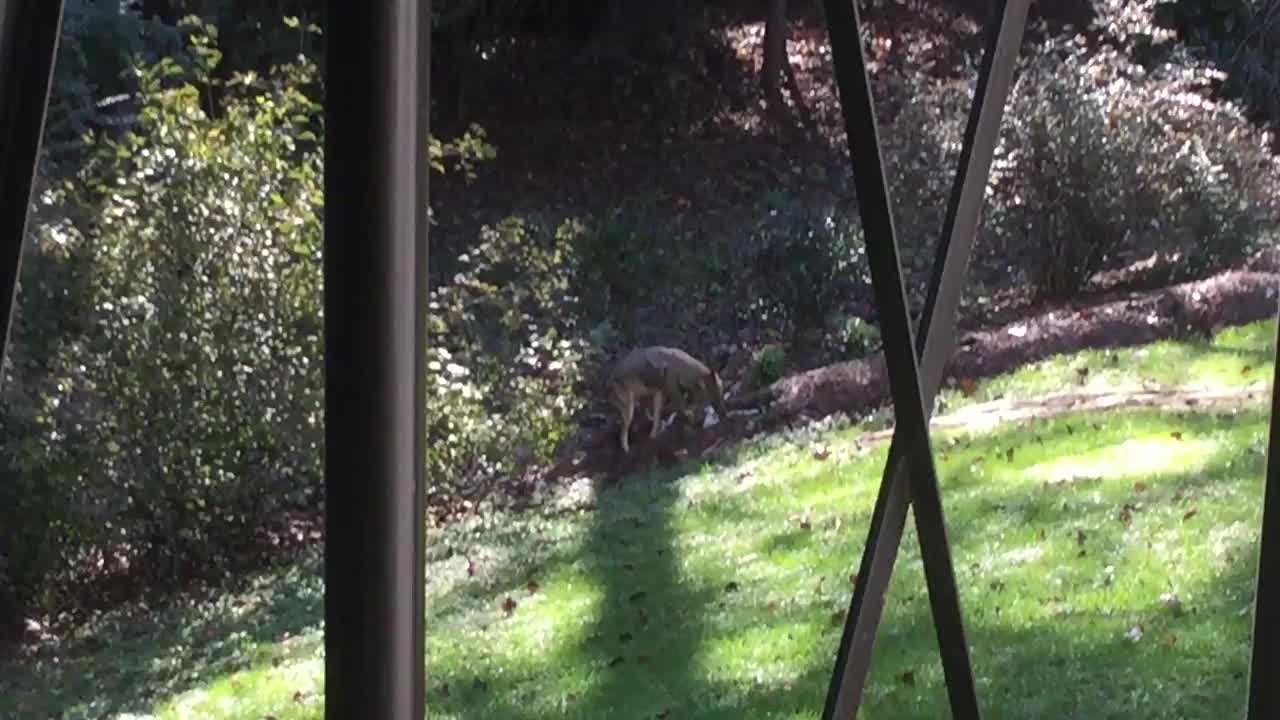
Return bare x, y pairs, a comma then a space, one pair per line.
764, 653
1234, 358
293, 689
1152, 455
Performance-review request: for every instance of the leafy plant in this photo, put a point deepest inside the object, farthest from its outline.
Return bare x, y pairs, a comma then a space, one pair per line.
768, 365
100, 42
858, 337
809, 260
1240, 37
505, 355
171, 339
1102, 159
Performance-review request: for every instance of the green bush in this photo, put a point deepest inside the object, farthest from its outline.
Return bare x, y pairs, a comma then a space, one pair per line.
768, 365
1101, 159
165, 391
619, 256
1240, 37
921, 147
100, 42
809, 261
505, 357
858, 337
634, 256
206, 298
163, 394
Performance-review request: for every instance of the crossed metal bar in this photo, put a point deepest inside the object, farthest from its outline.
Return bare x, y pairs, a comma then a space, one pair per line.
910, 474
375, 262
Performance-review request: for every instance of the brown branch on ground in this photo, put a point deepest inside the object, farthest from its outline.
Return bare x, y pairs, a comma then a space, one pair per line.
858, 386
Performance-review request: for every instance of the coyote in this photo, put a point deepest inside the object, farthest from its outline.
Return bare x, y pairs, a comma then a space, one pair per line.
667, 374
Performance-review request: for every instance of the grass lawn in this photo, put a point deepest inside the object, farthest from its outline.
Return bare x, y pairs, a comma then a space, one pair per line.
1105, 564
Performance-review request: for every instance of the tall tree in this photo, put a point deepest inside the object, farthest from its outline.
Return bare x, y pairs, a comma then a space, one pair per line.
777, 73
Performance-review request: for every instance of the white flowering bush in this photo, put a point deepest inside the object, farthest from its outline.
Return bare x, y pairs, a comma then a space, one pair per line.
505, 358
1100, 156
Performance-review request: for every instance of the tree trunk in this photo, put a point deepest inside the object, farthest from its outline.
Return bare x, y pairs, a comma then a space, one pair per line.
776, 70
775, 56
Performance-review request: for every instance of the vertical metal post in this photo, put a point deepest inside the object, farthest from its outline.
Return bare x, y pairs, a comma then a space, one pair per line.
1264, 692
29, 31
375, 262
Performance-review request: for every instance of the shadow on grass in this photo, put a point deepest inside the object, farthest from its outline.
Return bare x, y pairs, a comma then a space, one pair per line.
131, 662
664, 636
1041, 649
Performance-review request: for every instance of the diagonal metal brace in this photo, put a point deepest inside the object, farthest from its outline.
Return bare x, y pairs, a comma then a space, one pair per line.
934, 348
29, 31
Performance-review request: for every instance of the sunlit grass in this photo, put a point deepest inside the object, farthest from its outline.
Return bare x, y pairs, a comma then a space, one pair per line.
1234, 357
1105, 565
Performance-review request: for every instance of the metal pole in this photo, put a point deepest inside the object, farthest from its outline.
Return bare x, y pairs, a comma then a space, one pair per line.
375, 261
29, 31
1264, 693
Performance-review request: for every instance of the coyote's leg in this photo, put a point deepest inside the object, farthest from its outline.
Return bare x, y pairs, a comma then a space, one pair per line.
679, 399
657, 415
625, 402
